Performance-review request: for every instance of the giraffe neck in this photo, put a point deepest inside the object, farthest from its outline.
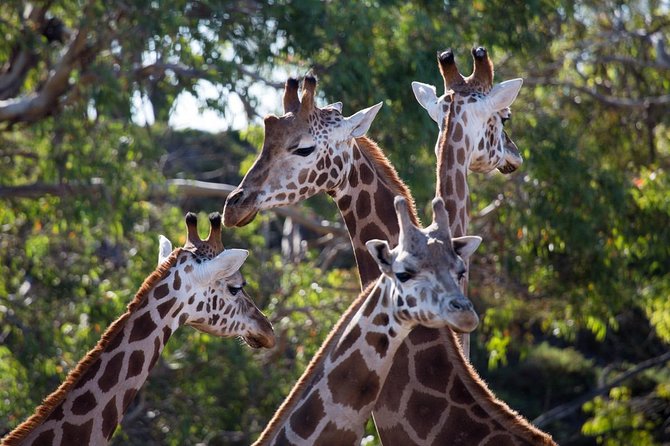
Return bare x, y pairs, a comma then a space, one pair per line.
87, 407
452, 174
432, 394
365, 200
334, 398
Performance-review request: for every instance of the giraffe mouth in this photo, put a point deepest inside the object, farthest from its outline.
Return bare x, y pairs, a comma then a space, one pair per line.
512, 159
259, 341
237, 217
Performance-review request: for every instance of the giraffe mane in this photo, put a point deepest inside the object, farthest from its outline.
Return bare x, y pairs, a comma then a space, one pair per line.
57, 396
496, 408
304, 380
441, 154
387, 172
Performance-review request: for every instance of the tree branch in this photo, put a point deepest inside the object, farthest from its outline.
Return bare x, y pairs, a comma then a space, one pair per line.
566, 409
159, 69
189, 188
36, 105
194, 188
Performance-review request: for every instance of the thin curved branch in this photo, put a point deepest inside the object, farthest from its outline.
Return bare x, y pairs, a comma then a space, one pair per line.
189, 188
566, 409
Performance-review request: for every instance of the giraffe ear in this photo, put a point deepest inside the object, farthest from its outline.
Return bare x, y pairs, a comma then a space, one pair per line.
228, 262
381, 252
466, 245
359, 123
335, 105
503, 94
164, 249
427, 97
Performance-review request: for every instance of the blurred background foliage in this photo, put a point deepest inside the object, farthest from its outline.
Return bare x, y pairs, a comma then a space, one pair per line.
572, 280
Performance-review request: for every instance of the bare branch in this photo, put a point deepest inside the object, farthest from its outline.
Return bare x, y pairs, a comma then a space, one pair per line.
190, 188
36, 105
159, 69
196, 188
566, 409
258, 78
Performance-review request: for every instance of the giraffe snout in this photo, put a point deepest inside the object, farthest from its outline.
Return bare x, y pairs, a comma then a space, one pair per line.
238, 211
460, 304
461, 314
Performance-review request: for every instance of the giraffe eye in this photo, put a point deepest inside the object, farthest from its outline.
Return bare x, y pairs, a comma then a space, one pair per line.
403, 276
461, 275
234, 289
304, 151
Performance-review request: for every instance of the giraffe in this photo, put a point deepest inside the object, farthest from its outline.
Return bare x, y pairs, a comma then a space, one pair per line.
310, 150
470, 117
418, 285
198, 285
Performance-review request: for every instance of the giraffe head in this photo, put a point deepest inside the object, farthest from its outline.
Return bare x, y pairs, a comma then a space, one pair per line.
208, 277
471, 114
425, 269
305, 151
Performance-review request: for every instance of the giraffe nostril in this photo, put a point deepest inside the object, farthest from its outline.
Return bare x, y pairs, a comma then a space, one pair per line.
460, 305
235, 197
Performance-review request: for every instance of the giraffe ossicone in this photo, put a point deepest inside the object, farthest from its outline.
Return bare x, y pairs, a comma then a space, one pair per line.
198, 285
333, 399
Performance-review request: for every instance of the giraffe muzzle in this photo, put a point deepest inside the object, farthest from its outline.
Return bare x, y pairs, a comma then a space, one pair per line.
263, 336
239, 210
461, 314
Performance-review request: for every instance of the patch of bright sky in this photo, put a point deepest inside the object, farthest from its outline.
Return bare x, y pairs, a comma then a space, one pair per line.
191, 112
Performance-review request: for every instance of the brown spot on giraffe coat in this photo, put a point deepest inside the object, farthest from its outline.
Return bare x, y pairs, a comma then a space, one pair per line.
352, 383
423, 411
431, 368
73, 435
379, 341
135, 363
142, 327
332, 435
110, 418
110, 376
84, 403
307, 416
